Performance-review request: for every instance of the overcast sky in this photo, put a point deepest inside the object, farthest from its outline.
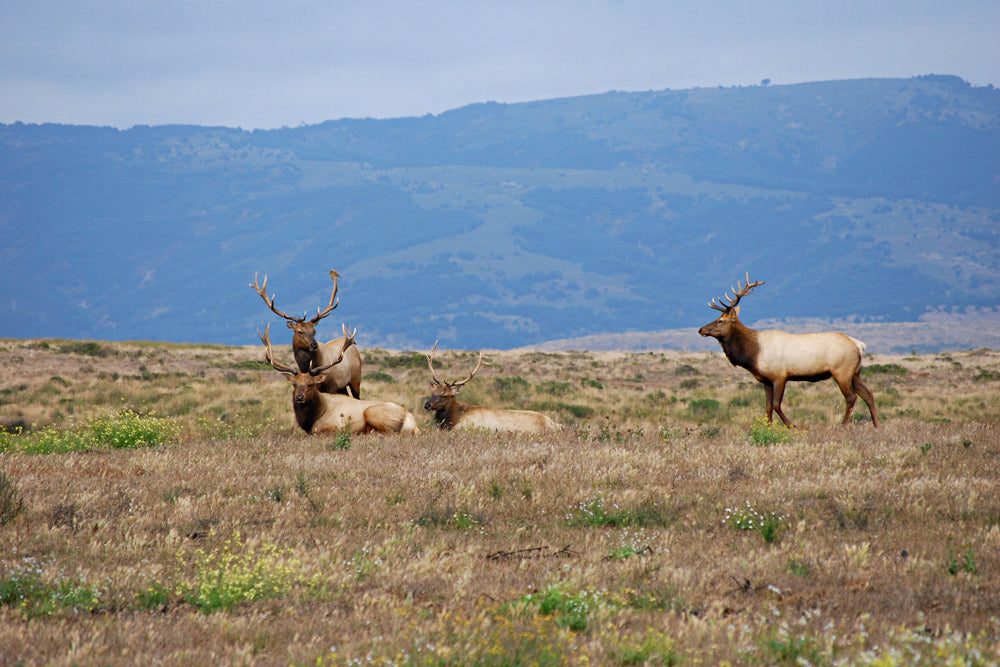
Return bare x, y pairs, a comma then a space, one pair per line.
256, 64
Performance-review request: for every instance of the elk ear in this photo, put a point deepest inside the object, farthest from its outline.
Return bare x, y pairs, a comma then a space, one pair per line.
290, 325
736, 311
320, 379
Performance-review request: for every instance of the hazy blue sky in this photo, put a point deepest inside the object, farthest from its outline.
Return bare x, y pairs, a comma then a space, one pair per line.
259, 64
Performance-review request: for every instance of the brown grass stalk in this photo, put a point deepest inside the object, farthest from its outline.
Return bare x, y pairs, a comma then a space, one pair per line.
612, 542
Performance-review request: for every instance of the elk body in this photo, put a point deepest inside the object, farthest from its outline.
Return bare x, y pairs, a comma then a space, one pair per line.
776, 357
450, 414
309, 353
319, 412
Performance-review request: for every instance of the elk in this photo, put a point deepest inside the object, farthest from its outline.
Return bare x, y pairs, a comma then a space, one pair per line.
319, 412
309, 353
449, 413
776, 357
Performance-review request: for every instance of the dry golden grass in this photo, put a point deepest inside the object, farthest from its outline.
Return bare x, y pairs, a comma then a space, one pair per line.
606, 543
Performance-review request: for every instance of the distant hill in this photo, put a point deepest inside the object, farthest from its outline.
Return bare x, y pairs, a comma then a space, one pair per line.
508, 225
879, 337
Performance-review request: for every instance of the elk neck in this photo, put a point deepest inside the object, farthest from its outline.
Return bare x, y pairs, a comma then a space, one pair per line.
449, 415
306, 414
741, 346
303, 358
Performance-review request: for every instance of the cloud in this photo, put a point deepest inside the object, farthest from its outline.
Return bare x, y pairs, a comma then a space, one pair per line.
262, 64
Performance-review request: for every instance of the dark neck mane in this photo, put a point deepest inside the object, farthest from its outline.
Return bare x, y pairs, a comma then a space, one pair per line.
450, 414
741, 346
306, 414
303, 359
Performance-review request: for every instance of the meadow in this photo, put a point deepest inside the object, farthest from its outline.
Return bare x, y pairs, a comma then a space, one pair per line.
158, 505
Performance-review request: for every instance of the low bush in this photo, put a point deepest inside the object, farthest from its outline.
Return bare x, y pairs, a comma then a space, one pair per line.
125, 429
765, 433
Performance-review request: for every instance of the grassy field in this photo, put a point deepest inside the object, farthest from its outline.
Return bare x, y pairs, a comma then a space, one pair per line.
159, 506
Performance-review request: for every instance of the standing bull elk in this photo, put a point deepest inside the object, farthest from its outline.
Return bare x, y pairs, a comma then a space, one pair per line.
318, 412
775, 357
449, 413
309, 353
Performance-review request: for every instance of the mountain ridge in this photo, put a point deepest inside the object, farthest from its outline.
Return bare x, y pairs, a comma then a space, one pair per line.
504, 225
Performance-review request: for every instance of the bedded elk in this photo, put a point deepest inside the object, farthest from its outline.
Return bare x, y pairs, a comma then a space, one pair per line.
319, 412
776, 357
449, 413
309, 353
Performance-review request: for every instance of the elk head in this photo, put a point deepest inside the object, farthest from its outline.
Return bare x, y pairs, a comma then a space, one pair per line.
730, 318
303, 331
443, 392
305, 384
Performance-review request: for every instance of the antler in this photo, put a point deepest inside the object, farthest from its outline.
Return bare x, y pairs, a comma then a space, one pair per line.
269, 353
348, 341
334, 301
430, 364
320, 314
262, 291
738, 293
281, 368
458, 384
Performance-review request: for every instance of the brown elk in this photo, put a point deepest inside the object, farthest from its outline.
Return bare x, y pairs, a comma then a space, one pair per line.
319, 412
309, 353
776, 357
449, 413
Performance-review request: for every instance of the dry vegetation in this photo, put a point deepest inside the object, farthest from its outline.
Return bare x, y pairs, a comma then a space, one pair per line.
664, 525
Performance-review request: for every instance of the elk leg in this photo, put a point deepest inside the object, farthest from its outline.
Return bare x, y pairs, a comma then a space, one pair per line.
849, 395
779, 393
866, 395
769, 399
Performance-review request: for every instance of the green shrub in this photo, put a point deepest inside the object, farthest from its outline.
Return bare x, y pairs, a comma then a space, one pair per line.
124, 429
885, 369
341, 441
251, 365
237, 573
765, 433
570, 610
86, 347
986, 375
654, 649
554, 388
129, 430
968, 564
511, 389
408, 360
769, 525
593, 513
703, 408
26, 590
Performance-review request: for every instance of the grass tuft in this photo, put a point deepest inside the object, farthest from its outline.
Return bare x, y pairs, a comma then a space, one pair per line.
11, 499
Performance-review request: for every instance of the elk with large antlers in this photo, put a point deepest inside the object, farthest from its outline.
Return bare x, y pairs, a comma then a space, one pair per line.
319, 412
776, 357
309, 353
449, 413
